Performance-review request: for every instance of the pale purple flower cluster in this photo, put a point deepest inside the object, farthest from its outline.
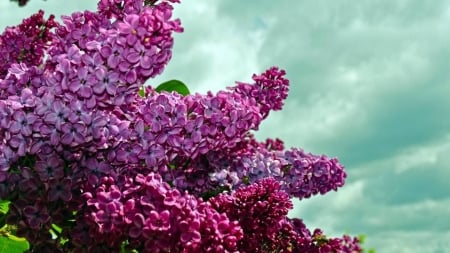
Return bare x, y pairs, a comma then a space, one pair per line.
300, 174
89, 165
102, 62
194, 125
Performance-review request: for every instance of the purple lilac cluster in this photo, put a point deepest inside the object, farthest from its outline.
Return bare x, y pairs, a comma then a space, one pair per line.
153, 217
89, 165
317, 242
269, 90
261, 210
300, 174
26, 42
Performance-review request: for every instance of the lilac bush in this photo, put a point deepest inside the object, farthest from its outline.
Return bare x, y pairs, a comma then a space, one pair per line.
92, 161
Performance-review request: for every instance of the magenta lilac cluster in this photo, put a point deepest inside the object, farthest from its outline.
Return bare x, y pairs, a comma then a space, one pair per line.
91, 165
261, 210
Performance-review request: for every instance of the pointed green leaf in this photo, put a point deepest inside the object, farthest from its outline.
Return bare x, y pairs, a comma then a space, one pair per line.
173, 85
4, 206
57, 228
11, 245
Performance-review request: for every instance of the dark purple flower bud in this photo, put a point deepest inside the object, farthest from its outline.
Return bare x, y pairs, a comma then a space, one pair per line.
60, 189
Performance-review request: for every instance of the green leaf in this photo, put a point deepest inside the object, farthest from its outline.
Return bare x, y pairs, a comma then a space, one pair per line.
125, 249
141, 92
362, 238
4, 206
57, 228
9, 244
173, 85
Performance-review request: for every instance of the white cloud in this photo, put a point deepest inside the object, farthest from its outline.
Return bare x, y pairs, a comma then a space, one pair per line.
395, 201
318, 208
411, 241
214, 51
421, 156
431, 156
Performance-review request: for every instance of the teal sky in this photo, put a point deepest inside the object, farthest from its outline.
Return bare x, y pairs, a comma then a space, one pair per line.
369, 84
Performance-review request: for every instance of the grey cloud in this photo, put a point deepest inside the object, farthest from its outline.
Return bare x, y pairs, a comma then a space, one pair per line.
385, 43
413, 241
13, 15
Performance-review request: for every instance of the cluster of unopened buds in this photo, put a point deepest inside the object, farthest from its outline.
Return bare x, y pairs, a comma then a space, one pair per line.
91, 162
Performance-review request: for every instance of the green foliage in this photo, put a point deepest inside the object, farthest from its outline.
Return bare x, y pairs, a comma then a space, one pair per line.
12, 244
4, 207
8, 242
141, 91
125, 249
362, 239
169, 86
173, 85
214, 192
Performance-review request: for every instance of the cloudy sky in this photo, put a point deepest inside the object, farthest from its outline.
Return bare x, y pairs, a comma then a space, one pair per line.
369, 85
